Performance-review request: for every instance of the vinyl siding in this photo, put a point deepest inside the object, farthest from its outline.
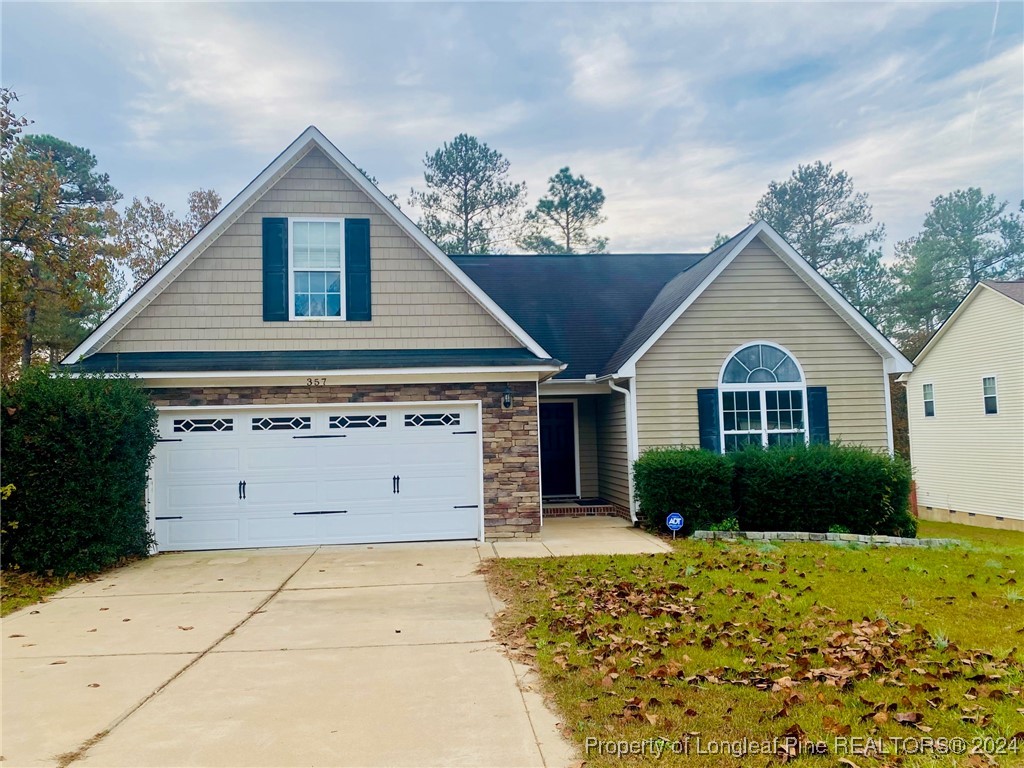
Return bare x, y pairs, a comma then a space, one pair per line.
963, 459
612, 449
216, 302
758, 297
587, 414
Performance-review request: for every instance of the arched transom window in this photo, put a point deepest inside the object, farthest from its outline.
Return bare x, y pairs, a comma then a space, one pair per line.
763, 398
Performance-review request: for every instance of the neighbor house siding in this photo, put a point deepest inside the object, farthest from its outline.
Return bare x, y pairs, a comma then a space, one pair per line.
588, 447
612, 449
759, 298
965, 460
216, 302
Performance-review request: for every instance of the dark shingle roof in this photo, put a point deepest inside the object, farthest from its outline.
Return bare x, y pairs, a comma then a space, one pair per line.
668, 300
581, 308
1011, 288
301, 360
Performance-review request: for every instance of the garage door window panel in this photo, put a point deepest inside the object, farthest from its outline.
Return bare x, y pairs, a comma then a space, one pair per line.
432, 420
280, 423
203, 425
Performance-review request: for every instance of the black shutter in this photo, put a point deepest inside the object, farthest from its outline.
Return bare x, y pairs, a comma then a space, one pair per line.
275, 269
707, 419
817, 414
357, 269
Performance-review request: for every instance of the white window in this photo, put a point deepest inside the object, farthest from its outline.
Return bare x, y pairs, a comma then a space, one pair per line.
988, 389
763, 398
928, 394
316, 263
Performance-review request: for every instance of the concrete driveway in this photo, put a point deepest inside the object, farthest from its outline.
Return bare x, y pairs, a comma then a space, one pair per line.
332, 656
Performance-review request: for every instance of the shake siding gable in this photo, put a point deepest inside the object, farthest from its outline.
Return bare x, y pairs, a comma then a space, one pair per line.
216, 302
758, 297
964, 459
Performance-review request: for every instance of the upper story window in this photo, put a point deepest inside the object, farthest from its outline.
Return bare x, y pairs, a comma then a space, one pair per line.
988, 388
316, 268
928, 395
763, 398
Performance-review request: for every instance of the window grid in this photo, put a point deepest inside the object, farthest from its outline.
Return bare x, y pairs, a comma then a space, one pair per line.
203, 425
988, 387
360, 421
317, 256
763, 400
432, 419
928, 395
278, 423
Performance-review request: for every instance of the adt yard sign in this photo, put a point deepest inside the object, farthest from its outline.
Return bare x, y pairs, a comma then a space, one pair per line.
674, 522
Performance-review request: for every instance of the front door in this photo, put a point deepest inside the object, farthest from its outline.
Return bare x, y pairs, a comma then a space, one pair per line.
558, 449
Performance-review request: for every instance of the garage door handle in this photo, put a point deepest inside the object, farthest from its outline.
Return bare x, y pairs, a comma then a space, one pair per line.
324, 512
396, 484
243, 489
316, 437
466, 506
179, 517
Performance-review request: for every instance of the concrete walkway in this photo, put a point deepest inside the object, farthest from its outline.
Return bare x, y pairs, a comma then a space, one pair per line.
332, 656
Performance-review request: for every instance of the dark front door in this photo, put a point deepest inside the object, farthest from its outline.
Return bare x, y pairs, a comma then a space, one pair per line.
558, 449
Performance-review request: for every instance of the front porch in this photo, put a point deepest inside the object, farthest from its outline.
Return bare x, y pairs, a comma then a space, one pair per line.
584, 456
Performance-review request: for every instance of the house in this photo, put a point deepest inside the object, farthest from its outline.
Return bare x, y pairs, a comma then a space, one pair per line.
325, 374
965, 407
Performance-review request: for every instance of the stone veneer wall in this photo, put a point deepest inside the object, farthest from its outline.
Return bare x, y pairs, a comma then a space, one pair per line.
510, 439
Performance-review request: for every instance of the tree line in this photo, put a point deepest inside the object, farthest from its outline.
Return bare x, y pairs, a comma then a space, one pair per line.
69, 254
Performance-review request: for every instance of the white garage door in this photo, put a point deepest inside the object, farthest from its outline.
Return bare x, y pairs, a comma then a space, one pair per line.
340, 475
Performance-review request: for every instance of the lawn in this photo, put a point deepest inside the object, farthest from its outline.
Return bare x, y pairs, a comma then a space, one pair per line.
18, 589
720, 652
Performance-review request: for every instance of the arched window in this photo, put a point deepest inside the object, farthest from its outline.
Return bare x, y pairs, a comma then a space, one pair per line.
762, 397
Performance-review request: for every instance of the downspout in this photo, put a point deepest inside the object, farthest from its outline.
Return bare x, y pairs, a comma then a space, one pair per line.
631, 447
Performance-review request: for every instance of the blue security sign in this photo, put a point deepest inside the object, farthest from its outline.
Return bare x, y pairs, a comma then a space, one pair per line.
674, 521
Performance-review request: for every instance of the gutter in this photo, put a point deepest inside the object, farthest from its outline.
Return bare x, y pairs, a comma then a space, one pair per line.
631, 441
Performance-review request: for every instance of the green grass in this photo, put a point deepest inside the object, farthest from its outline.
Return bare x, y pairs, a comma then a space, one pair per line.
734, 642
18, 589
927, 529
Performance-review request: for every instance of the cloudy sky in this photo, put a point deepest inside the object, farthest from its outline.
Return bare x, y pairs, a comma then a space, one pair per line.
682, 112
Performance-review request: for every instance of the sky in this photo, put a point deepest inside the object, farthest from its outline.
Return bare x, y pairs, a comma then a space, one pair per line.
681, 112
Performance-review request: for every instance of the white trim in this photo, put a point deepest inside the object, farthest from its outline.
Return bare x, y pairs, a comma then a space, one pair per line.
995, 380
631, 441
575, 430
480, 466
343, 372
540, 468
295, 151
890, 440
762, 342
341, 317
784, 250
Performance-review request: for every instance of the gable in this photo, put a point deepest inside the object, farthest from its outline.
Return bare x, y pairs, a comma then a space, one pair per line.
215, 303
984, 335
759, 297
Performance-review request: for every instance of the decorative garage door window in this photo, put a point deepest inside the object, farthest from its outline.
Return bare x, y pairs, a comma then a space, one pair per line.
274, 423
203, 425
763, 398
360, 421
432, 419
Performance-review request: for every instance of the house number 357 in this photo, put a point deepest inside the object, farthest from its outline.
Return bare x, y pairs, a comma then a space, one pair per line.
316, 382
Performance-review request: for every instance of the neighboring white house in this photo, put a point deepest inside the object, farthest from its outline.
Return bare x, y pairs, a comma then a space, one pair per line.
965, 402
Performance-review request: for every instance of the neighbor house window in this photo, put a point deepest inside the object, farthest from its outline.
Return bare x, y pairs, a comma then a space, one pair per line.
316, 266
928, 392
763, 398
988, 386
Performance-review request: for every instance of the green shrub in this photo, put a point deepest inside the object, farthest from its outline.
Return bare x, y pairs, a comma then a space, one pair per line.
78, 451
692, 482
729, 524
815, 488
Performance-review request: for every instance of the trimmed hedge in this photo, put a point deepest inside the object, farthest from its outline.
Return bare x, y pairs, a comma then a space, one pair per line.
692, 482
799, 488
77, 451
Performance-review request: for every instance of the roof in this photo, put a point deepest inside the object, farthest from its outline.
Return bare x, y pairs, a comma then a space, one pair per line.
311, 360
579, 307
295, 151
669, 298
1014, 289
